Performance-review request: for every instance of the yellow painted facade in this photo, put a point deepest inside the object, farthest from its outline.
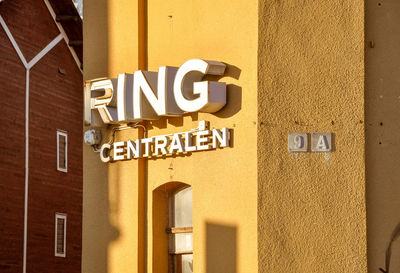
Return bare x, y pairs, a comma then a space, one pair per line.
312, 215
222, 196
291, 67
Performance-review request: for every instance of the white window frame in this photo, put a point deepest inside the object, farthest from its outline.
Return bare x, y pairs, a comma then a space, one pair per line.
175, 255
65, 134
60, 216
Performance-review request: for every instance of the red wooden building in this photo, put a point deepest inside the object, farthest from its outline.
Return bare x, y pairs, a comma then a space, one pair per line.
40, 136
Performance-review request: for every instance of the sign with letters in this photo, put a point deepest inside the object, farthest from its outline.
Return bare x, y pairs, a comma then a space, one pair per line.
166, 145
320, 142
146, 95
298, 142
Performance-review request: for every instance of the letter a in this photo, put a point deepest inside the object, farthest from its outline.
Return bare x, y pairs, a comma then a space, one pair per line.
322, 144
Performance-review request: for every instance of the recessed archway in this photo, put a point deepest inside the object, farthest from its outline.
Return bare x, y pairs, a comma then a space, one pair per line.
172, 228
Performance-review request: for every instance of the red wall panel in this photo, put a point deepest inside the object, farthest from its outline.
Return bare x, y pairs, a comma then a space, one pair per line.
55, 103
32, 25
12, 156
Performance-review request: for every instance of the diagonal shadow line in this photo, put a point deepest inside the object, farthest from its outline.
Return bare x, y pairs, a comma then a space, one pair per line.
395, 235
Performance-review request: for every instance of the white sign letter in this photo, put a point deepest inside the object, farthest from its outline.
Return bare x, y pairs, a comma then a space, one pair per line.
222, 137
189, 147
176, 144
105, 148
103, 100
322, 143
203, 137
147, 146
160, 143
191, 94
124, 97
118, 149
135, 148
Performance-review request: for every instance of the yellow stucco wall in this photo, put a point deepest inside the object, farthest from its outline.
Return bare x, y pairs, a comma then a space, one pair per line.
382, 134
224, 181
312, 215
256, 207
95, 222
110, 202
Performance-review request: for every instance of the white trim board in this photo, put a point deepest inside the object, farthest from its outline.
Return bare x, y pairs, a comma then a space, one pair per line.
26, 168
66, 39
44, 51
64, 253
64, 134
13, 42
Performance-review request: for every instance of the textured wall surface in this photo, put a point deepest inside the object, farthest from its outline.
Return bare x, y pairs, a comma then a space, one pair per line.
96, 229
55, 103
292, 67
224, 181
100, 229
110, 207
311, 206
382, 134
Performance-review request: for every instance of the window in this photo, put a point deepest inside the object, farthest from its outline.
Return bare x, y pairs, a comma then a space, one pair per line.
62, 150
180, 232
60, 235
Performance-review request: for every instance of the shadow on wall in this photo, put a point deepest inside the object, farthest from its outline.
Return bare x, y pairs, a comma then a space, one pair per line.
394, 237
234, 93
98, 230
221, 248
233, 101
381, 135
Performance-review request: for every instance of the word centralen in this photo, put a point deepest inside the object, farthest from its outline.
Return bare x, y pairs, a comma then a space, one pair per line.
177, 143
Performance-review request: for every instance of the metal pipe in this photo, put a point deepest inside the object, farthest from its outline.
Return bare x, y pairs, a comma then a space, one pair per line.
142, 132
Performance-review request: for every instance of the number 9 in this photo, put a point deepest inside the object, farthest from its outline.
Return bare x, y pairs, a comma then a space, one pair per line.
299, 142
